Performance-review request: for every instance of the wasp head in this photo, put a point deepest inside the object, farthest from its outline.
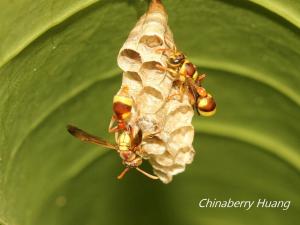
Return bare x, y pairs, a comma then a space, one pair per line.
176, 59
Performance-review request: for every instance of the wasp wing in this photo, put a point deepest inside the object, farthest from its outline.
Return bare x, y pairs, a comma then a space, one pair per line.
86, 137
137, 140
191, 86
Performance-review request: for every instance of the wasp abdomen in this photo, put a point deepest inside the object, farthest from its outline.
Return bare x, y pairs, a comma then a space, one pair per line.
206, 105
122, 106
124, 141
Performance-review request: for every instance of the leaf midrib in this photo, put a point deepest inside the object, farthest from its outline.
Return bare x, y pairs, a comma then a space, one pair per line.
255, 138
248, 72
284, 13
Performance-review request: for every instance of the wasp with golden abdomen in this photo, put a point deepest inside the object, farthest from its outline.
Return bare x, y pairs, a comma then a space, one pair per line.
128, 144
187, 78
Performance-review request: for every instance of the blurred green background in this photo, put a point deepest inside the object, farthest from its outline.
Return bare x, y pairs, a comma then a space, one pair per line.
58, 66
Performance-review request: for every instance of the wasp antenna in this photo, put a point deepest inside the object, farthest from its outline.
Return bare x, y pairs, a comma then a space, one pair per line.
122, 174
163, 50
146, 174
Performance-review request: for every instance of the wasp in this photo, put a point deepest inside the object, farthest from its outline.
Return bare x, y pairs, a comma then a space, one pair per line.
129, 149
187, 78
127, 144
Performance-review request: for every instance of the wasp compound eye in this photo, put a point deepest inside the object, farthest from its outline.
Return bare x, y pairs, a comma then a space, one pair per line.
172, 60
175, 61
178, 60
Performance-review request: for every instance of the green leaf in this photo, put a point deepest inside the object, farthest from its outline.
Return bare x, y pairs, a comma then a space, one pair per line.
58, 66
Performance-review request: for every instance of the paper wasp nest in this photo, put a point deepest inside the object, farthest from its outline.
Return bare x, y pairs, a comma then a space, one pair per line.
168, 118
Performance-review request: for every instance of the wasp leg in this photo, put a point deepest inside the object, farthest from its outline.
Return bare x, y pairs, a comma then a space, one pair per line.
170, 97
112, 128
200, 78
122, 174
170, 49
171, 71
163, 50
192, 98
146, 174
151, 135
201, 91
169, 42
181, 91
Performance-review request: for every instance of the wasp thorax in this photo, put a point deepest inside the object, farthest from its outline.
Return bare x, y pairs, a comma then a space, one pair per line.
206, 105
124, 141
